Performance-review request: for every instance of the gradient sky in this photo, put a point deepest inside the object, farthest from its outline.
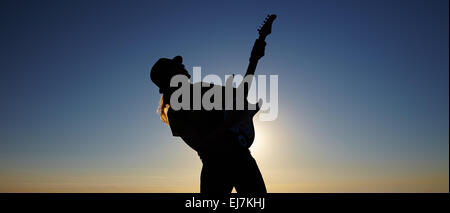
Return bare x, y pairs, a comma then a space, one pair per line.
363, 93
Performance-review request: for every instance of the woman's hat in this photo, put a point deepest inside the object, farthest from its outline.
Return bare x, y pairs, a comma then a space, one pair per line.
164, 69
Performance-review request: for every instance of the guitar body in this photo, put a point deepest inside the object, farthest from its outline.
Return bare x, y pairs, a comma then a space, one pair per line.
243, 129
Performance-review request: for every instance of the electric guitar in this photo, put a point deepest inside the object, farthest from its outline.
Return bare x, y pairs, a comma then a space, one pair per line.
242, 128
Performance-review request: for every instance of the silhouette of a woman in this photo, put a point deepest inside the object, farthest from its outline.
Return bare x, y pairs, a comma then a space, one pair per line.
226, 163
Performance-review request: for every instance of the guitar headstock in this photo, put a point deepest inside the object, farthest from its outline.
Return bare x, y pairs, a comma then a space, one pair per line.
266, 28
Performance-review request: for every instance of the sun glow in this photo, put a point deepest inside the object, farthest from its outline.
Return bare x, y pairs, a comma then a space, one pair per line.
261, 145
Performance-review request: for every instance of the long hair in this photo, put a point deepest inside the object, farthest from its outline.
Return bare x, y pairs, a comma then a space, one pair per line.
163, 108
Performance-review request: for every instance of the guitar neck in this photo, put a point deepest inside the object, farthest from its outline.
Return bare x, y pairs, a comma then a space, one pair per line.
253, 62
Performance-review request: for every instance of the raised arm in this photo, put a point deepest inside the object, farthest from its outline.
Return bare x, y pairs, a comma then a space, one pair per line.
257, 52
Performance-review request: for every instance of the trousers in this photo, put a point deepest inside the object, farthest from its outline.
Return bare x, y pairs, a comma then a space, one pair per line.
221, 172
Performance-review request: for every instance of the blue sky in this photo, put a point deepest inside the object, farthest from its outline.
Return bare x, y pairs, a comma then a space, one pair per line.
363, 92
